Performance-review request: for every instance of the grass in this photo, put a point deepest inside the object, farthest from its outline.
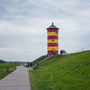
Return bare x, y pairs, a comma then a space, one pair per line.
38, 59
68, 72
10, 65
3, 68
4, 73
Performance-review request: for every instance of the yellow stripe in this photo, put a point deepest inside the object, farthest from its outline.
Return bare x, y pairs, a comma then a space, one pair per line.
52, 34
52, 48
53, 41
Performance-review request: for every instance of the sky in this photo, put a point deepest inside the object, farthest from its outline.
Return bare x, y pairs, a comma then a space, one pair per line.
23, 23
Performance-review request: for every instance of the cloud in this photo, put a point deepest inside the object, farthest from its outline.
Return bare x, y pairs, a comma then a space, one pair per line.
23, 23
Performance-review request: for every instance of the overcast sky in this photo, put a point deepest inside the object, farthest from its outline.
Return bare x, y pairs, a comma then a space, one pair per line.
23, 23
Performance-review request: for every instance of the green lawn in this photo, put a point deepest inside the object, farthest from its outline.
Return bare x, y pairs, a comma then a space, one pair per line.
10, 65
38, 59
69, 72
3, 68
4, 73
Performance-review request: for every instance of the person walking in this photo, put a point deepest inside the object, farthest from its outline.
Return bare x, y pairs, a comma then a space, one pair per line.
31, 64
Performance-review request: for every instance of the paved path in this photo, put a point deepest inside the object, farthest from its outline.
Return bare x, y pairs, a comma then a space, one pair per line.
17, 80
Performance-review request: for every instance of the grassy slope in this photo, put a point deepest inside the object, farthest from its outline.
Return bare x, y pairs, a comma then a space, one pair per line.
38, 59
69, 72
3, 73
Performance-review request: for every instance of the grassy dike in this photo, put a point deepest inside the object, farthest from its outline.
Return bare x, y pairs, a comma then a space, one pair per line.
69, 72
3, 67
38, 59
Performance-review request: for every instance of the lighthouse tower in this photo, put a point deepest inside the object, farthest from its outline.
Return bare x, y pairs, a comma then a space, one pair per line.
52, 40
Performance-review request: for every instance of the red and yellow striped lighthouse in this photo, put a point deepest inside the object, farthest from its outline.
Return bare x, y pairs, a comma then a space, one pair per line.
52, 39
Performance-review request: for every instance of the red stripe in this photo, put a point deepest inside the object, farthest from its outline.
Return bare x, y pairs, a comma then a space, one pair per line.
51, 29
52, 44
51, 52
52, 37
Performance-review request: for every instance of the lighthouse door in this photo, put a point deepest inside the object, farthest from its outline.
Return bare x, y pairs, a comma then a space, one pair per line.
53, 51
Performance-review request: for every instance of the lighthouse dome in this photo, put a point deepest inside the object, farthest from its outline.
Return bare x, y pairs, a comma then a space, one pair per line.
52, 26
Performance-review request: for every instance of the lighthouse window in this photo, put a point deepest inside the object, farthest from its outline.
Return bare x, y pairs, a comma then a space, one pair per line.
57, 32
52, 40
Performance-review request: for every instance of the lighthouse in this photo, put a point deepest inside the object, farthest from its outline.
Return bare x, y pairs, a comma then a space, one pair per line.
52, 39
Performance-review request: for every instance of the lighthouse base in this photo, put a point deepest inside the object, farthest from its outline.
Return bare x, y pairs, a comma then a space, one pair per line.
52, 52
